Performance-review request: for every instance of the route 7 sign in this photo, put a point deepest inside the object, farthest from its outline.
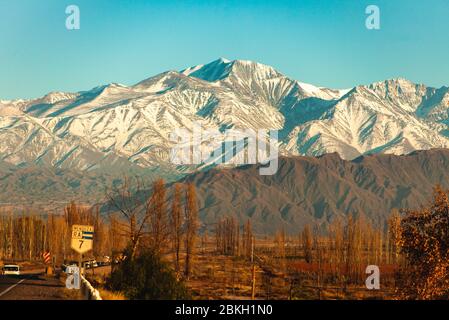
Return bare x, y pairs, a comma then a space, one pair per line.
82, 238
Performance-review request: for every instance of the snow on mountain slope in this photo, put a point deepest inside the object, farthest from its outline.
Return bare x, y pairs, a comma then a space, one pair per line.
116, 125
382, 117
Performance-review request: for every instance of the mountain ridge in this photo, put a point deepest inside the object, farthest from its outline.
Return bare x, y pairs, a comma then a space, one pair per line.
318, 190
132, 123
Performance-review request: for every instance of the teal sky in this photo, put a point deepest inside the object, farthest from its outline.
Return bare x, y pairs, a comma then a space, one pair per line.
321, 42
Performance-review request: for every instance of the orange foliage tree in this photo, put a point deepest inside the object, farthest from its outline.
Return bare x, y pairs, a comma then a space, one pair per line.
424, 244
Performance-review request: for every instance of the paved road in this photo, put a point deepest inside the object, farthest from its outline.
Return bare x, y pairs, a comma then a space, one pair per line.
31, 285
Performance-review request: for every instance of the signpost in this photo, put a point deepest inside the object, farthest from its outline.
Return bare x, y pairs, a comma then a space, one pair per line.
82, 240
47, 256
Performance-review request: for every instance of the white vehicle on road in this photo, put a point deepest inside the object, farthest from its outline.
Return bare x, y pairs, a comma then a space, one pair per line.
11, 269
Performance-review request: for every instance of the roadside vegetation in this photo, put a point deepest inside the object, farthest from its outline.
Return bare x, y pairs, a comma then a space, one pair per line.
159, 250
147, 277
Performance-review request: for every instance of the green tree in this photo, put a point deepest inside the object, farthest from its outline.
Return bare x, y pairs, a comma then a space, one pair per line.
147, 277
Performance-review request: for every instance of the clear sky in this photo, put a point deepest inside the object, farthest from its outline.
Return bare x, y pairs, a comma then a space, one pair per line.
322, 42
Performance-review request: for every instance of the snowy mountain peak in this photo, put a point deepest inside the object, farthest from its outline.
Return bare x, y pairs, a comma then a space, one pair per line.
309, 90
213, 71
222, 68
165, 82
254, 70
258, 79
114, 123
395, 83
55, 96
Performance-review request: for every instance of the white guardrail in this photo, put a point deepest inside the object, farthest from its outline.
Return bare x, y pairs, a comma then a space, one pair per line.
88, 291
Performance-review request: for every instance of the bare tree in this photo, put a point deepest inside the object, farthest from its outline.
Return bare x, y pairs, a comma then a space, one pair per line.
191, 226
394, 233
247, 238
130, 199
156, 210
227, 235
307, 243
177, 222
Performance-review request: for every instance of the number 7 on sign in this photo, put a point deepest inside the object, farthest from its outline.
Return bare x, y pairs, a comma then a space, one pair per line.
82, 238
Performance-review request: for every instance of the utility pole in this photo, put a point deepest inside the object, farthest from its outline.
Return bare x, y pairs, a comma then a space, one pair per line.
253, 287
80, 263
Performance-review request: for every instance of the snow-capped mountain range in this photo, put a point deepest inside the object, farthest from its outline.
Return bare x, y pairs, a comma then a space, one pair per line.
117, 126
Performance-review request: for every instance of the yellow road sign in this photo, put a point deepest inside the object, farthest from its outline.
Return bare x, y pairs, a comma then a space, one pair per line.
82, 238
